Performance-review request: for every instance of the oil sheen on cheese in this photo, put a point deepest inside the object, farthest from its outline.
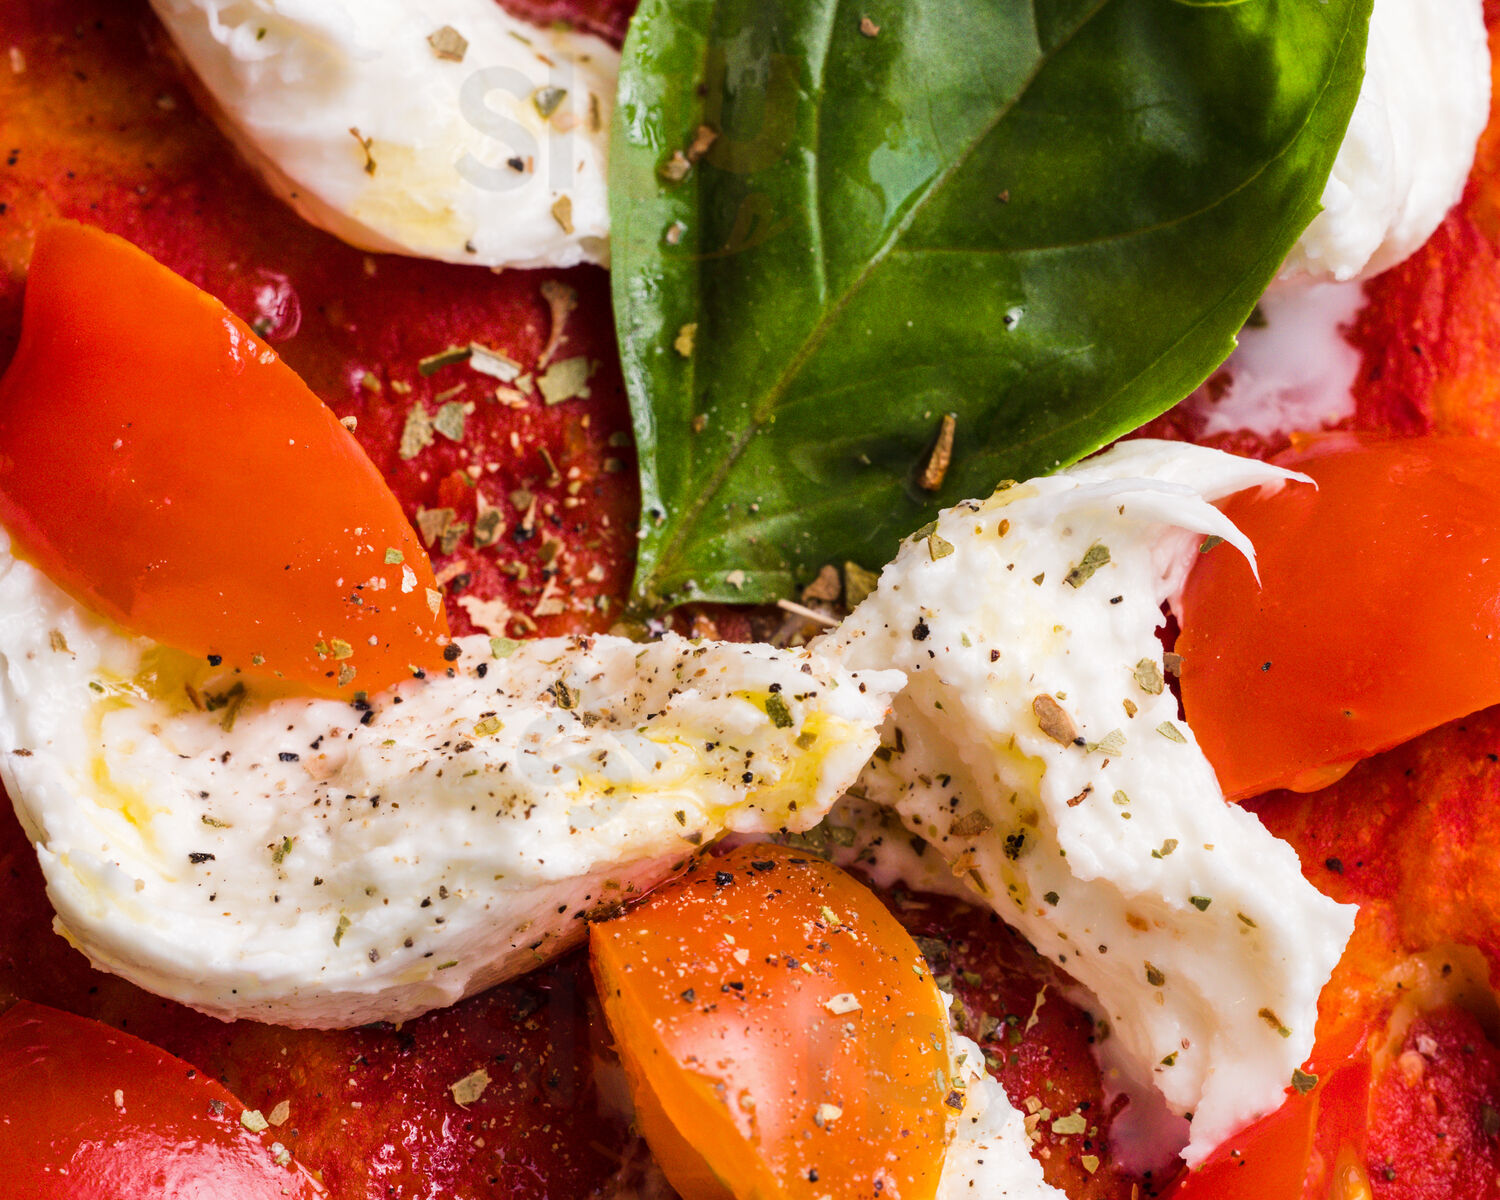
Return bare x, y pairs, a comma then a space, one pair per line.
313, 862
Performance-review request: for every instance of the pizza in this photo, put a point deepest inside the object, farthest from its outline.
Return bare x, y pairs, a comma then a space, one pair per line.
448, 879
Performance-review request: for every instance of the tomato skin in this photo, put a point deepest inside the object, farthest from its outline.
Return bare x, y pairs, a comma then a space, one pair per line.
1375, 620
1267, 1161
164, 467
723, 993
1293, 1152
1404, 1115
90, 1113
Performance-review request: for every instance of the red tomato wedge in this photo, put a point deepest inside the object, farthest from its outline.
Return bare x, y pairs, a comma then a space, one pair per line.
161, 464
90, 1113
1301, 1149
1267, 1161
1408, 1114
1377, 616
781, 1032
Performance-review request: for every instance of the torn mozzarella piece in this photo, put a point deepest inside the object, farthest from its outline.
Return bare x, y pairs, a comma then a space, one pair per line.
1037, 747
1410, 142
310, 862
990, 1154
447, 129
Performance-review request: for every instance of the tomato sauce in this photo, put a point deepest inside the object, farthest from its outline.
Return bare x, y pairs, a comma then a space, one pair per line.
98, 125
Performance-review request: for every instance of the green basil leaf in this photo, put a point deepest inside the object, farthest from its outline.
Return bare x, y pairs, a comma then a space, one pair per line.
1048, 219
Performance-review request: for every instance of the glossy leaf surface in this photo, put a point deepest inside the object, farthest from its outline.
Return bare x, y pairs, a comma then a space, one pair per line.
834, 224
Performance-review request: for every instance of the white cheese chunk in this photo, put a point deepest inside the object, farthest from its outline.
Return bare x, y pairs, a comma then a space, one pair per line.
309, 862
1406, 155
989, 1157
1038, 748
447, 129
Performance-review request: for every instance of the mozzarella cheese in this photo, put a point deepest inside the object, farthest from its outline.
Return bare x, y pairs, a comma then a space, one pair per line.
312, 863
1410, 143
990, 1154
1037, 747
447, 130
458, 132
1292, 372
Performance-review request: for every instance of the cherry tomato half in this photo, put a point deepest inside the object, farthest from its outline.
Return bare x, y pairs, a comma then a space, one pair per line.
164, 467
90, 1113
781, 1032
1377, 616
1298, 1150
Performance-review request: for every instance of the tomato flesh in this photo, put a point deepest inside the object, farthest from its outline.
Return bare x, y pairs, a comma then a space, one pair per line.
163, 466
1298, 1150
1375, 619
90, 1113
1267, 1161
782, 1034
1408, 1115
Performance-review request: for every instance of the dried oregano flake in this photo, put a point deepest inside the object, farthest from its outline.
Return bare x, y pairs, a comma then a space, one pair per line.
434, 363
470, 1087
449, 420
565, 380
1093, 558
547, 100
448, 44
1148, 677
1271, 1019
777, 710
416, 434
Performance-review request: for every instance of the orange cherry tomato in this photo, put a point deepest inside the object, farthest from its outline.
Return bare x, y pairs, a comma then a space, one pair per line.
1377, 616
781, 1032
165, 468
90, 1113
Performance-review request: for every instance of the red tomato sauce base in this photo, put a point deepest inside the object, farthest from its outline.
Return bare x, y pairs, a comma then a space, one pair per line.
98, 126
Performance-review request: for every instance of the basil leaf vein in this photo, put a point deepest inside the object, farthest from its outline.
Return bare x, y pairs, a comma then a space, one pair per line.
833, 225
